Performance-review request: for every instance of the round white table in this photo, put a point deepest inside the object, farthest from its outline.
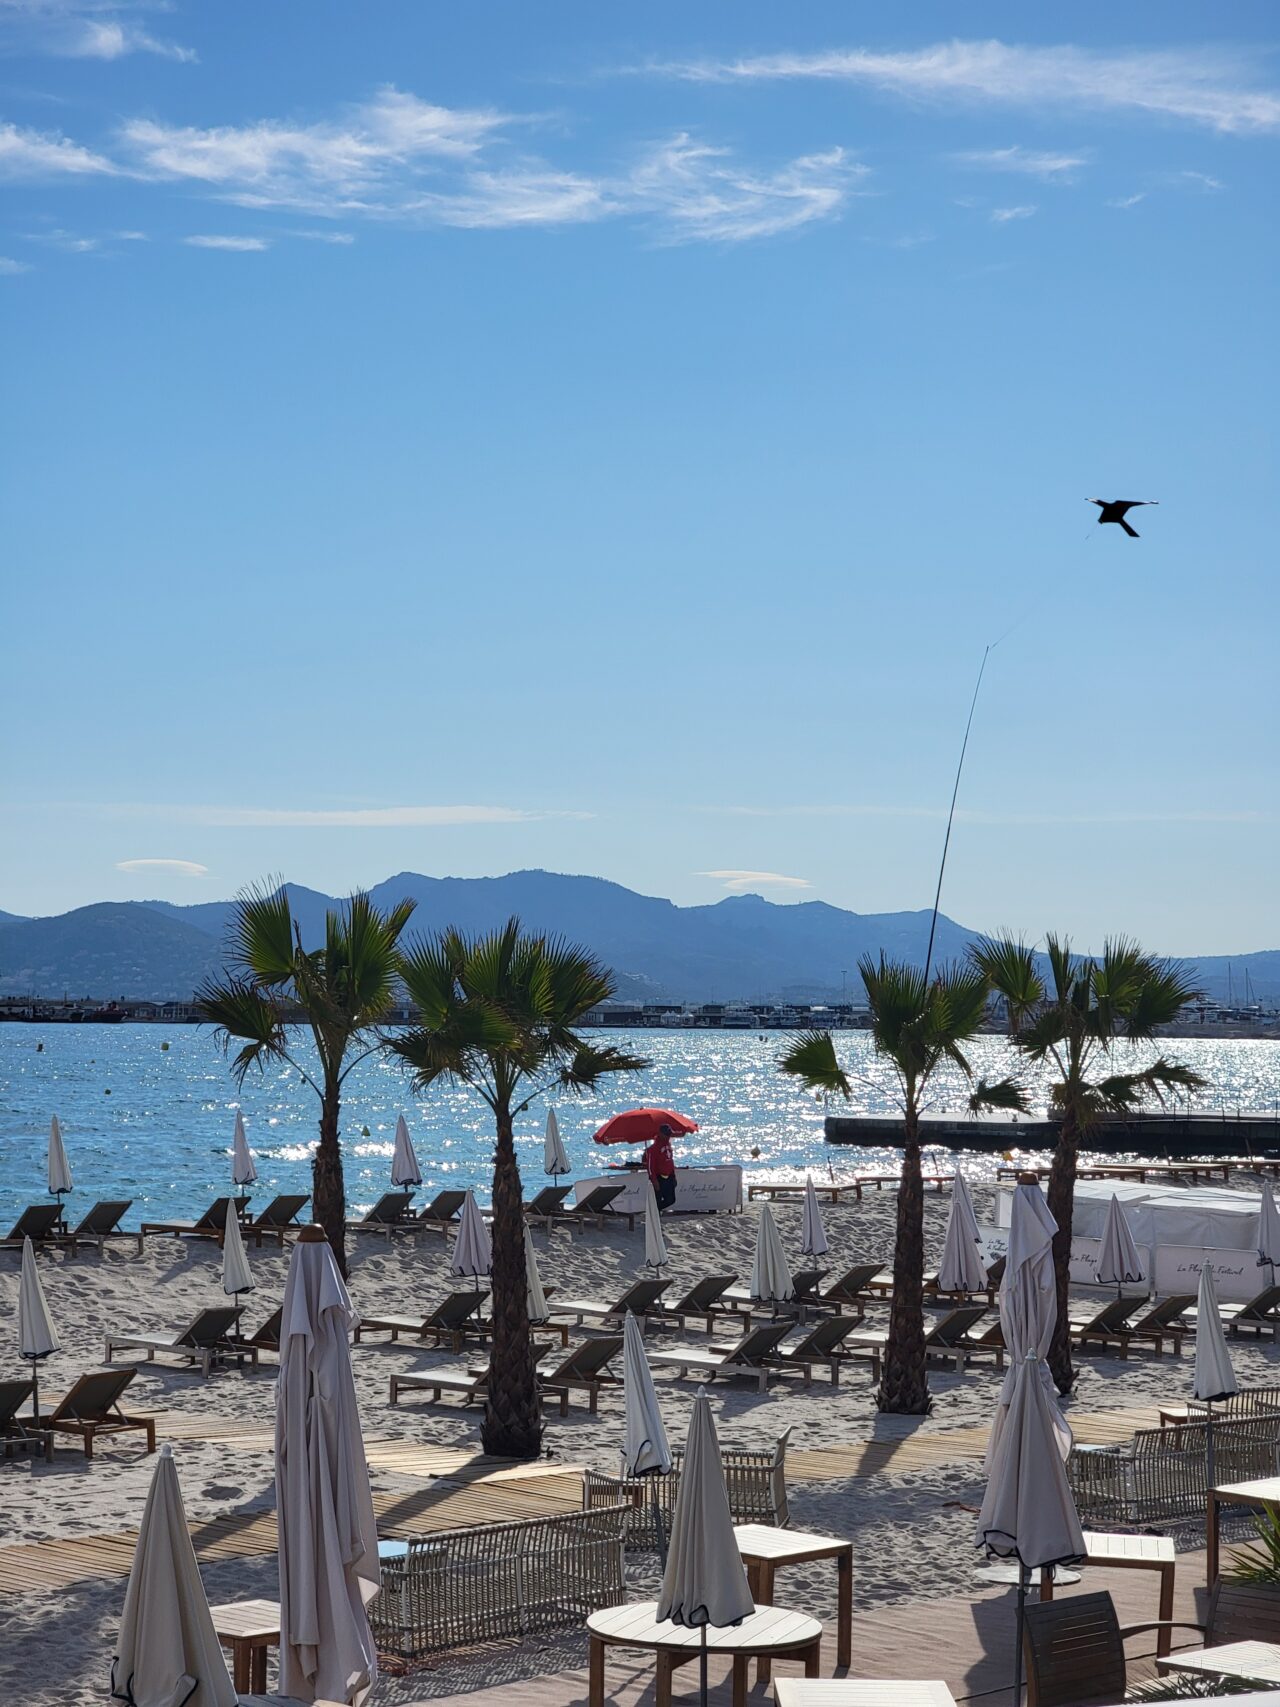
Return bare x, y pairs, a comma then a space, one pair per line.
771, 1632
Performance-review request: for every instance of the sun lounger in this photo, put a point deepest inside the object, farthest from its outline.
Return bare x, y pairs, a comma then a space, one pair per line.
39, 1222
824, 1342
702, 1302
17, 1434
805, 1296
103, 1223
597, 1206
209, 1226
639, 1299
441, 1213
390, 1214
584, 1369
850, 1290
451, 1320
276, 1219
752, 1358
1165, 1319
546, 1207
267, 1338
1261, 1315
1107, 1326
92, 1408
203, 1341
949, 1338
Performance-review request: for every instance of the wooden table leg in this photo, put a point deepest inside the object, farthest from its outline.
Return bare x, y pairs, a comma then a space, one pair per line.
1046, 1582
258, 1671
240, 1667
740, 1664
844, 1609
1211, 1538
766, 1571
595, 1672
666, 1668
813, 1659
1164, 1638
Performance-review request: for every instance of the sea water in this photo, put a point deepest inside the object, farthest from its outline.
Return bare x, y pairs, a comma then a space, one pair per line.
148, 1111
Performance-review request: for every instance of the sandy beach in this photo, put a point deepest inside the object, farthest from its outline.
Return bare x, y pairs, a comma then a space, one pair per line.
913, 1529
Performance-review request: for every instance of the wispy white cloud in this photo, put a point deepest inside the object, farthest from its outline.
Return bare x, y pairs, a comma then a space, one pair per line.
1031, 163
701, 192
525, 195
85, 29
9, 268
1002, 215
46, 154
1128, 201
1191, 815
110, 39
164, 867
307, 818
338, 238
1197, 180
738, 882
238, 245
1209, 87
69, 242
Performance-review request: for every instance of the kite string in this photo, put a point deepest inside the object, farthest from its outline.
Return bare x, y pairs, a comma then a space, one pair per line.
964, 747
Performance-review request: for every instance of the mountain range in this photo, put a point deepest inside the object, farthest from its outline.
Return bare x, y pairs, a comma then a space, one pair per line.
743, 947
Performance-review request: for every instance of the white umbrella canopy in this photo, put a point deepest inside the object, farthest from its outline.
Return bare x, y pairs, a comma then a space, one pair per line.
404, 1163
645, 1450
37, 1336
1214, 1376
167, 1654
1119, 1261
813, 1235
237, 1276
655, 1246
535, 1298
472, 1250
243, 1168
962, 1268
770, 1275
59, 1166
328, 1540
555, 1159
705, 1581
1268, 1227
1028, 1306
1028, 1512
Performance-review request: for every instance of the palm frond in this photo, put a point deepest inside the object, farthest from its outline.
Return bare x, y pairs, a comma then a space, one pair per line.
262, 936
999, 1093
242, 1013
1162, 994
587, 1066
1010, 967
812, 1058
1123, 1091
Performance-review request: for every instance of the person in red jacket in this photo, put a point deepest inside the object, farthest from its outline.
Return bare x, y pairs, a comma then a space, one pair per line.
660, 1165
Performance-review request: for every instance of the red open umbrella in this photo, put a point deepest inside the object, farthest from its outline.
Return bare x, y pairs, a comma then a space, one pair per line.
640, 1125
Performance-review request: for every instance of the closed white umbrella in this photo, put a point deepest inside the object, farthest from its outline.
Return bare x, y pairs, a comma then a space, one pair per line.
555, 1159
37, 1336
962, 1268
771, 1281
705, 1581
327, 1538
1269, 1230
1214, 1377
655, 1246
472, 1250
813, 1235
1028, 1513
59, 1166
1119, 1263
167, 1654
404, 1164
243, 1168
1028, 1305
237, 1276
534, 1295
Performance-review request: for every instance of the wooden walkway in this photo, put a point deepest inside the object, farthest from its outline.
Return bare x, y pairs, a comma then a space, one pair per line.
466, 1488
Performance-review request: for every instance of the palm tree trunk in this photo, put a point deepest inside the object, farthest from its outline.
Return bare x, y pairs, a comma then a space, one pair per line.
513, 1413
1061, 1198
904, 1385
328, 1192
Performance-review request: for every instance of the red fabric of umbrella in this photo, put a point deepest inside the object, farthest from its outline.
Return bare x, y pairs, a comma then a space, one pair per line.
640, 1125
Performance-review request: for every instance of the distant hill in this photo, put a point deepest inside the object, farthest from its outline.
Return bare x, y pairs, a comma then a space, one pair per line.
740, 947
11, 918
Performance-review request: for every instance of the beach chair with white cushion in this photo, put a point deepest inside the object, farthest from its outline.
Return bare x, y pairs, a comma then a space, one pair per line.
638, 1300
948, 1339
451, 1321
584, 1369
751, 1359
547, 1206
598, 1207
824, 1343
103, 1223
210, 1225
848, 1292
805, 1296
204, 1342
390, 1214
278, 1218
441, 1214
1261, 1315
702, 1302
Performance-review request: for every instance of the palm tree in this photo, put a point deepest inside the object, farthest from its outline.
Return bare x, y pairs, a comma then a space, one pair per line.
1075, 1021
497, 1013
916, 1026
340, 992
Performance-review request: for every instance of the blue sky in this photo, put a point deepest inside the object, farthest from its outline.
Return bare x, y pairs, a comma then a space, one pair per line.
606, 438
